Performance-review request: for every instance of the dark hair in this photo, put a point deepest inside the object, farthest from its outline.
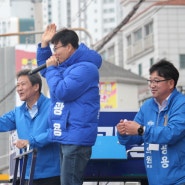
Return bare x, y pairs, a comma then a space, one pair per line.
165, 69
66, 36
34, 78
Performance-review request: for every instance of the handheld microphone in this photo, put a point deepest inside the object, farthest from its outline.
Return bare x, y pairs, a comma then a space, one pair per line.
37, 69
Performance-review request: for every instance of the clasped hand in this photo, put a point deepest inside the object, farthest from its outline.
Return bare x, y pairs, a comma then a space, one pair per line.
125, 127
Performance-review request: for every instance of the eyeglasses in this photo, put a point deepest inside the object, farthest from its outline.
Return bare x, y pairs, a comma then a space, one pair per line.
55, 48
155, 82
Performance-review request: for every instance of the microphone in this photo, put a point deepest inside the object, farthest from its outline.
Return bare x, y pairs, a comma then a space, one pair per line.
37, 69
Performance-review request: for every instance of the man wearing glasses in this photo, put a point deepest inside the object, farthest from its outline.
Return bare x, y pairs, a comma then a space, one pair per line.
160, 125
72, 76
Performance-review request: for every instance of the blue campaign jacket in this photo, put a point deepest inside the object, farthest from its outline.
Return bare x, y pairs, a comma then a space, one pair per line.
36, 131
166, 165
74, 90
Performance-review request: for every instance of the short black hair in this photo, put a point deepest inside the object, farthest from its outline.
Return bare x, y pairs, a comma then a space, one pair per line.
66, 36
34, 78
165, 69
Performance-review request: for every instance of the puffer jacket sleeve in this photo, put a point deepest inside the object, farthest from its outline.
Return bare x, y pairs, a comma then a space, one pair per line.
42, 55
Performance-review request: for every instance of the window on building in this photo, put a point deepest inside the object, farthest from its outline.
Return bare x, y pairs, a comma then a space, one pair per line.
111, 20
182, 61
148, 28
111, 10
103, 55
111, 52
129, 41
151, 61
140, 69
49, 20
138, 35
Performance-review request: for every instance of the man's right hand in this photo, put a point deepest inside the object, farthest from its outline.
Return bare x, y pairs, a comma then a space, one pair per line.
21, 143
47, 35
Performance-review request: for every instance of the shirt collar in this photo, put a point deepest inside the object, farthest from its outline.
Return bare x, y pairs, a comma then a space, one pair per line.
34, 105
164, 103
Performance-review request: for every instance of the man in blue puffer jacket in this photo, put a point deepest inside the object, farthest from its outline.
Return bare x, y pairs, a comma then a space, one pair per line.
30, 120
73, 79
160, 124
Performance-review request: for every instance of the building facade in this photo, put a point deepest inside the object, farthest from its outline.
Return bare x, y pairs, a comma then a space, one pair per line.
156, 31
